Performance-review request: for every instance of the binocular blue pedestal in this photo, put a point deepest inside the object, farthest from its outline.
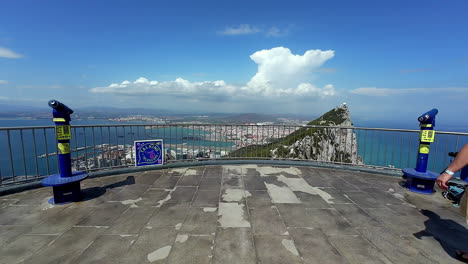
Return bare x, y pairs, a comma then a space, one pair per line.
419, 179
66, 184
418, 182
66, 189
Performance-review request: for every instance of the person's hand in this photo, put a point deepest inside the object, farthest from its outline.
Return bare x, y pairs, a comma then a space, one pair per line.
442, 180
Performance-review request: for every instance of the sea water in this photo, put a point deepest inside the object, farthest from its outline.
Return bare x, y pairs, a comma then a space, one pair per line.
378, 148
30, 146
400, 149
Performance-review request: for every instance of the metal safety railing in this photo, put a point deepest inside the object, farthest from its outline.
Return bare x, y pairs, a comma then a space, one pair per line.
30, 153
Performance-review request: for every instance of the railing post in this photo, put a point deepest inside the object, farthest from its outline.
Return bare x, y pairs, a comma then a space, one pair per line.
66, 184
421, 180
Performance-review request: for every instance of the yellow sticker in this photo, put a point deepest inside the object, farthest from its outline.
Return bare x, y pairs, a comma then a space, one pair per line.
58, 119
63, 132
425, 125
63, 148
427, 135
424, 149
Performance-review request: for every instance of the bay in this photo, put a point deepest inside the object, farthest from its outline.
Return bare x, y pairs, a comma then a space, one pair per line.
377, 148
27, 147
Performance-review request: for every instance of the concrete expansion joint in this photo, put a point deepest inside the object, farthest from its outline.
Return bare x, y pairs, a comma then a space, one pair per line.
92, 226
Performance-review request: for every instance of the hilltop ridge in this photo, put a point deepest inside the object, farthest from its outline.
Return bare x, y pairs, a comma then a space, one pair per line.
339, 116
314, 143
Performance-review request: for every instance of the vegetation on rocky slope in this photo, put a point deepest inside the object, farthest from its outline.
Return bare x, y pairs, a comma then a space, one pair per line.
315, 143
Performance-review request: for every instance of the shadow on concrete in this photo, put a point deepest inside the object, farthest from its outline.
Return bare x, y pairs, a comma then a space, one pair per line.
403, 184
95, 192
450, 234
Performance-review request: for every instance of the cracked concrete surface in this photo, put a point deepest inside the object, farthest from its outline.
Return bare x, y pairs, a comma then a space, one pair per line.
233, 214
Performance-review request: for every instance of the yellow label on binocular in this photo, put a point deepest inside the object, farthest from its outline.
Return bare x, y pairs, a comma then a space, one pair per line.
427, 135
63, 132
424, 149
425, 125
63, 148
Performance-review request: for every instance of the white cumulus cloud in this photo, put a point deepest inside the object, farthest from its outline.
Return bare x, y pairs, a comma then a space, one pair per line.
243, 29
246, 29
3, 81
276, 32
279, 69
179, 87
8, 53
280, 73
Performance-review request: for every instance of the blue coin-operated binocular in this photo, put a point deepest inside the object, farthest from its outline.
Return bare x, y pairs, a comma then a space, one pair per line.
419, 179
60, 110
66, 184
428, 117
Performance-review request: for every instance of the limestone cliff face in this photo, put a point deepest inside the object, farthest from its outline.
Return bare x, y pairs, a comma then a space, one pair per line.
323, 143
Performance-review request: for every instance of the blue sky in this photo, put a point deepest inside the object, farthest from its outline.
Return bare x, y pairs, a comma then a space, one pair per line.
384, 58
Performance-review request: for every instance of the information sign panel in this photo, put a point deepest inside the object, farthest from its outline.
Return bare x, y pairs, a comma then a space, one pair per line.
63, 132
427, 136
149, 152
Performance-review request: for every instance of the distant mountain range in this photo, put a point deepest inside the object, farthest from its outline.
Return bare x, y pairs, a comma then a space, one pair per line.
7, 107
12, 110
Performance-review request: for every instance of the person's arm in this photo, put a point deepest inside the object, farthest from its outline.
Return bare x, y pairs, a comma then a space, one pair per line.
461, 160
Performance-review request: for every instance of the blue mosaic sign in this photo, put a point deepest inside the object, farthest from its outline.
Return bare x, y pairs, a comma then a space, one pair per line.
149, 152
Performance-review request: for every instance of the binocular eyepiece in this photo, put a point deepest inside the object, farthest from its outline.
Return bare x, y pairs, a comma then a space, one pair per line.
428, 116
59, 107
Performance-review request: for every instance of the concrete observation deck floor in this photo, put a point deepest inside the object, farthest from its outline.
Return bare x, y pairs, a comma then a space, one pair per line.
233, 214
